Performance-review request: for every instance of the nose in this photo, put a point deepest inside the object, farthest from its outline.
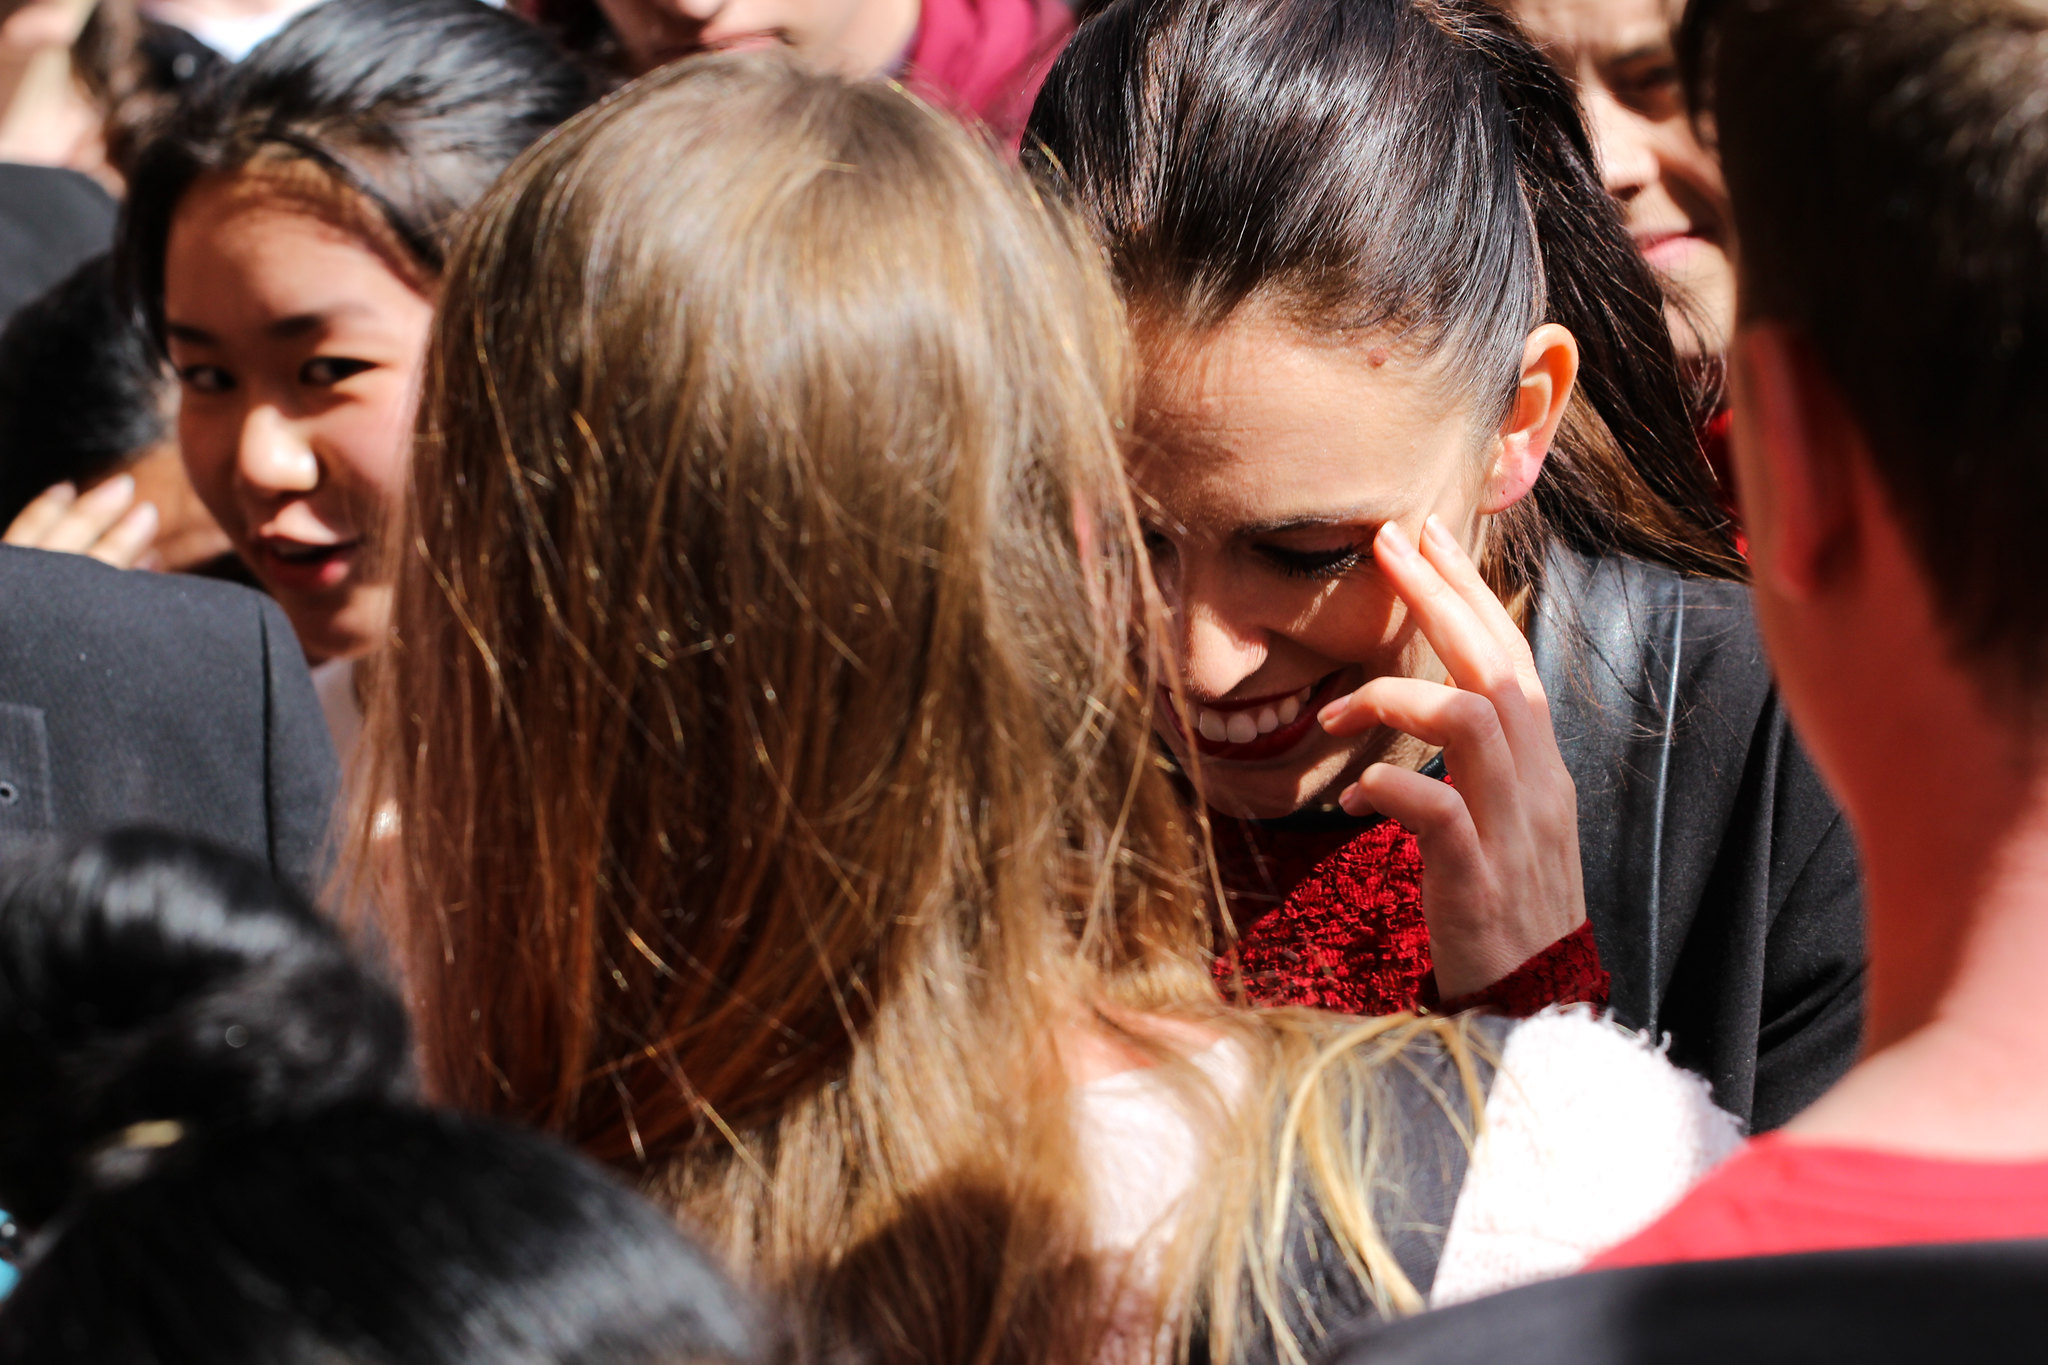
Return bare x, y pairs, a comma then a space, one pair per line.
273, 457
1621, 139
697, 11
1219, 644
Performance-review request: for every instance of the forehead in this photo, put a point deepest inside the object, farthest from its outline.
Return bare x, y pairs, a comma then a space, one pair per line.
1597, 27
267, 245
1253, 423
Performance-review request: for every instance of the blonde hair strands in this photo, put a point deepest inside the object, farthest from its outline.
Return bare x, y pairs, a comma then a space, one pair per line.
769, 760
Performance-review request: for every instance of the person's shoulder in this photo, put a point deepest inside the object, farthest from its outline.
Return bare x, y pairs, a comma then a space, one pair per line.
1590, 1133
67, 597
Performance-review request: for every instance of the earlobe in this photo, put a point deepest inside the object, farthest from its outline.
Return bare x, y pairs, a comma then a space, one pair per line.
1550, 367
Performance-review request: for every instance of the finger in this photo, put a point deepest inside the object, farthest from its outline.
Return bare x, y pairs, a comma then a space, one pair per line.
36, 519
1448, 557
92, 516
127, 539
1464, 725
1433, 811
1478, 661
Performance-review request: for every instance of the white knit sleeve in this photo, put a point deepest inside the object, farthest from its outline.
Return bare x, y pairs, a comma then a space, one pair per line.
1590, 1135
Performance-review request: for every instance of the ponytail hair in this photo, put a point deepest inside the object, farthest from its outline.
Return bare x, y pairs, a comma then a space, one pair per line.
1412, 168
206, 1129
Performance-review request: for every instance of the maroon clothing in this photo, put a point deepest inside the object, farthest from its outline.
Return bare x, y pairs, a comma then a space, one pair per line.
987, 57
1329, 915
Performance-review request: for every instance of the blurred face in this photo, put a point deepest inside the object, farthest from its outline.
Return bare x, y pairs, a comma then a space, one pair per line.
1618, 53
856, 38
1265, 464
297, 345
187, 536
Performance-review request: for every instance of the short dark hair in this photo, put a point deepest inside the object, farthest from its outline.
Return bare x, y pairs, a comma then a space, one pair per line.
82, 391
205, 1122
416, 105
1888, 163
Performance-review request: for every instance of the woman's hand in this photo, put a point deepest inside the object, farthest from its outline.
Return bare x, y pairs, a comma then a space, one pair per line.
105, 522
1500, 849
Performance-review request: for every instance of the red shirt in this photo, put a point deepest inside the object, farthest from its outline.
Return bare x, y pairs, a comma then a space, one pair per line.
1778, 1196
987, 57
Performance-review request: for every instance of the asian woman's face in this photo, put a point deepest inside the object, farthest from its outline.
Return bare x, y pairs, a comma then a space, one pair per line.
1265, 463
297, 345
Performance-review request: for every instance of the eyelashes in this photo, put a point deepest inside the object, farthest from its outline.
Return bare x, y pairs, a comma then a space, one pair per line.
1314, 564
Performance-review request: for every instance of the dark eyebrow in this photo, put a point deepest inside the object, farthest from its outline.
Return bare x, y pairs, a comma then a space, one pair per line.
1643, 52
285, 329
179, 331
1356, 518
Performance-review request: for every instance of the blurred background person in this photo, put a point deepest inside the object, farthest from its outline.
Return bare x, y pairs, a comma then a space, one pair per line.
983, 58
88, 458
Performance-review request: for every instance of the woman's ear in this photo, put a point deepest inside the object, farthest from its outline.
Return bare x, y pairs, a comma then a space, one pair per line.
1550, 366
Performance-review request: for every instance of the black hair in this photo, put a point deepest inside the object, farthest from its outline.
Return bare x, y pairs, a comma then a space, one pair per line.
1413, 168
205, 1126
83, 393
415, 105
1888, 167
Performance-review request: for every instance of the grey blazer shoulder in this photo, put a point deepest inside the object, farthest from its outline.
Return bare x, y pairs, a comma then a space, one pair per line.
1721, 880
158, 699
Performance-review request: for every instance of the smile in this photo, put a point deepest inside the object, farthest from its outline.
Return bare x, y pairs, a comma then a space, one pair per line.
1259, 729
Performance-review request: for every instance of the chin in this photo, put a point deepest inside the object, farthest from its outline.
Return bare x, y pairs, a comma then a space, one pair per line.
1258, 792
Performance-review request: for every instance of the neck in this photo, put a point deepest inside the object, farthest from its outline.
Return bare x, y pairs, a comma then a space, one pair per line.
1955, 841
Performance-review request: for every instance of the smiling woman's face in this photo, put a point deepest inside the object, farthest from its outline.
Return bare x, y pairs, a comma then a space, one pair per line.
1265, 463
297, 347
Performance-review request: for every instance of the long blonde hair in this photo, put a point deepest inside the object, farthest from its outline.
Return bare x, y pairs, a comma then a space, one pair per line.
771, 766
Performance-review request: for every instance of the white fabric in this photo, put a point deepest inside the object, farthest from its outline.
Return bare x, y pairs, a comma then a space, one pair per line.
233, 33
1591, 1135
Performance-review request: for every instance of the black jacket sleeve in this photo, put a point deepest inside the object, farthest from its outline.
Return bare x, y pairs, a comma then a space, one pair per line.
1720, 878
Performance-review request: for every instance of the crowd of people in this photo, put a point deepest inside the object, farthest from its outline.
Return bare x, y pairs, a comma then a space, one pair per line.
992, 680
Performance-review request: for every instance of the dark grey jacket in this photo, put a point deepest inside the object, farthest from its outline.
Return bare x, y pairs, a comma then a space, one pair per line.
157, 699
1720, 878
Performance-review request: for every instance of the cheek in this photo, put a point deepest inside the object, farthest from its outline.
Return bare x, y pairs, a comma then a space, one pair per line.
208, 438
366, 445
1357, 621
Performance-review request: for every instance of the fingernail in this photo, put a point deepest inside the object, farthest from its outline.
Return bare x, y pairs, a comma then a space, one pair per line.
122, 484
1393, 542
1334, 711
1352, 799
1435, 529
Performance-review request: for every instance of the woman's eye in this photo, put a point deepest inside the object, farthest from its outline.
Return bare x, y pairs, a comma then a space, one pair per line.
206, 378
324, 371
1157, 543
1318, 564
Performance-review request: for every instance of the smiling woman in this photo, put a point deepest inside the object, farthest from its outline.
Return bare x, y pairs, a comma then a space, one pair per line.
1425, 497
284, 237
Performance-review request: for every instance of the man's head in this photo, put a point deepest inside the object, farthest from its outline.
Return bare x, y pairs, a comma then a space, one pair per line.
1888, 165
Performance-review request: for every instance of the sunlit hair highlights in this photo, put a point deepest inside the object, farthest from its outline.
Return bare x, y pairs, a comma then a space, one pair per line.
769, 764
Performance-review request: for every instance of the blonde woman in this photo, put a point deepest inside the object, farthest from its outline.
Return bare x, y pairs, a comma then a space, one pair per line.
778, 814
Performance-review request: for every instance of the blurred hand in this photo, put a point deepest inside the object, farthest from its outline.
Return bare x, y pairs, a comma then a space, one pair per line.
1500, 849
106, 523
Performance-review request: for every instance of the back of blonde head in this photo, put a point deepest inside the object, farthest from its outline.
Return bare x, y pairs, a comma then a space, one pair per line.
770, 766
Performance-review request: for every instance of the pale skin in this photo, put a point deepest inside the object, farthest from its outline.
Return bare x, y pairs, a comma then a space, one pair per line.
1313, 510
855, 38
1954, 836
147, 516
297, 335
1618, 55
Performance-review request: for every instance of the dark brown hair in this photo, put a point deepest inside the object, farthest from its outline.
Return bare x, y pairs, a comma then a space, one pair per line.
1412, 167
1888, 164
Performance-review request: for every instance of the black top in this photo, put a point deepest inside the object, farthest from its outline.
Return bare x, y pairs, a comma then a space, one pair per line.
1721, 881
1977, 1303
157, 699
51, 222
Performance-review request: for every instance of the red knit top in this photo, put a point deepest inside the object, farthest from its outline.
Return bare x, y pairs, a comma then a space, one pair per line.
1328, 911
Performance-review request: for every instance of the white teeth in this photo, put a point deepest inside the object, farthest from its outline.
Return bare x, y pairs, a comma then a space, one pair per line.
1269, 720
1212, 727
1301, 697
1241, 728
1289, 710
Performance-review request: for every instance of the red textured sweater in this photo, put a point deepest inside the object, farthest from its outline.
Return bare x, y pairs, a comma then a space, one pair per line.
1328, 911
